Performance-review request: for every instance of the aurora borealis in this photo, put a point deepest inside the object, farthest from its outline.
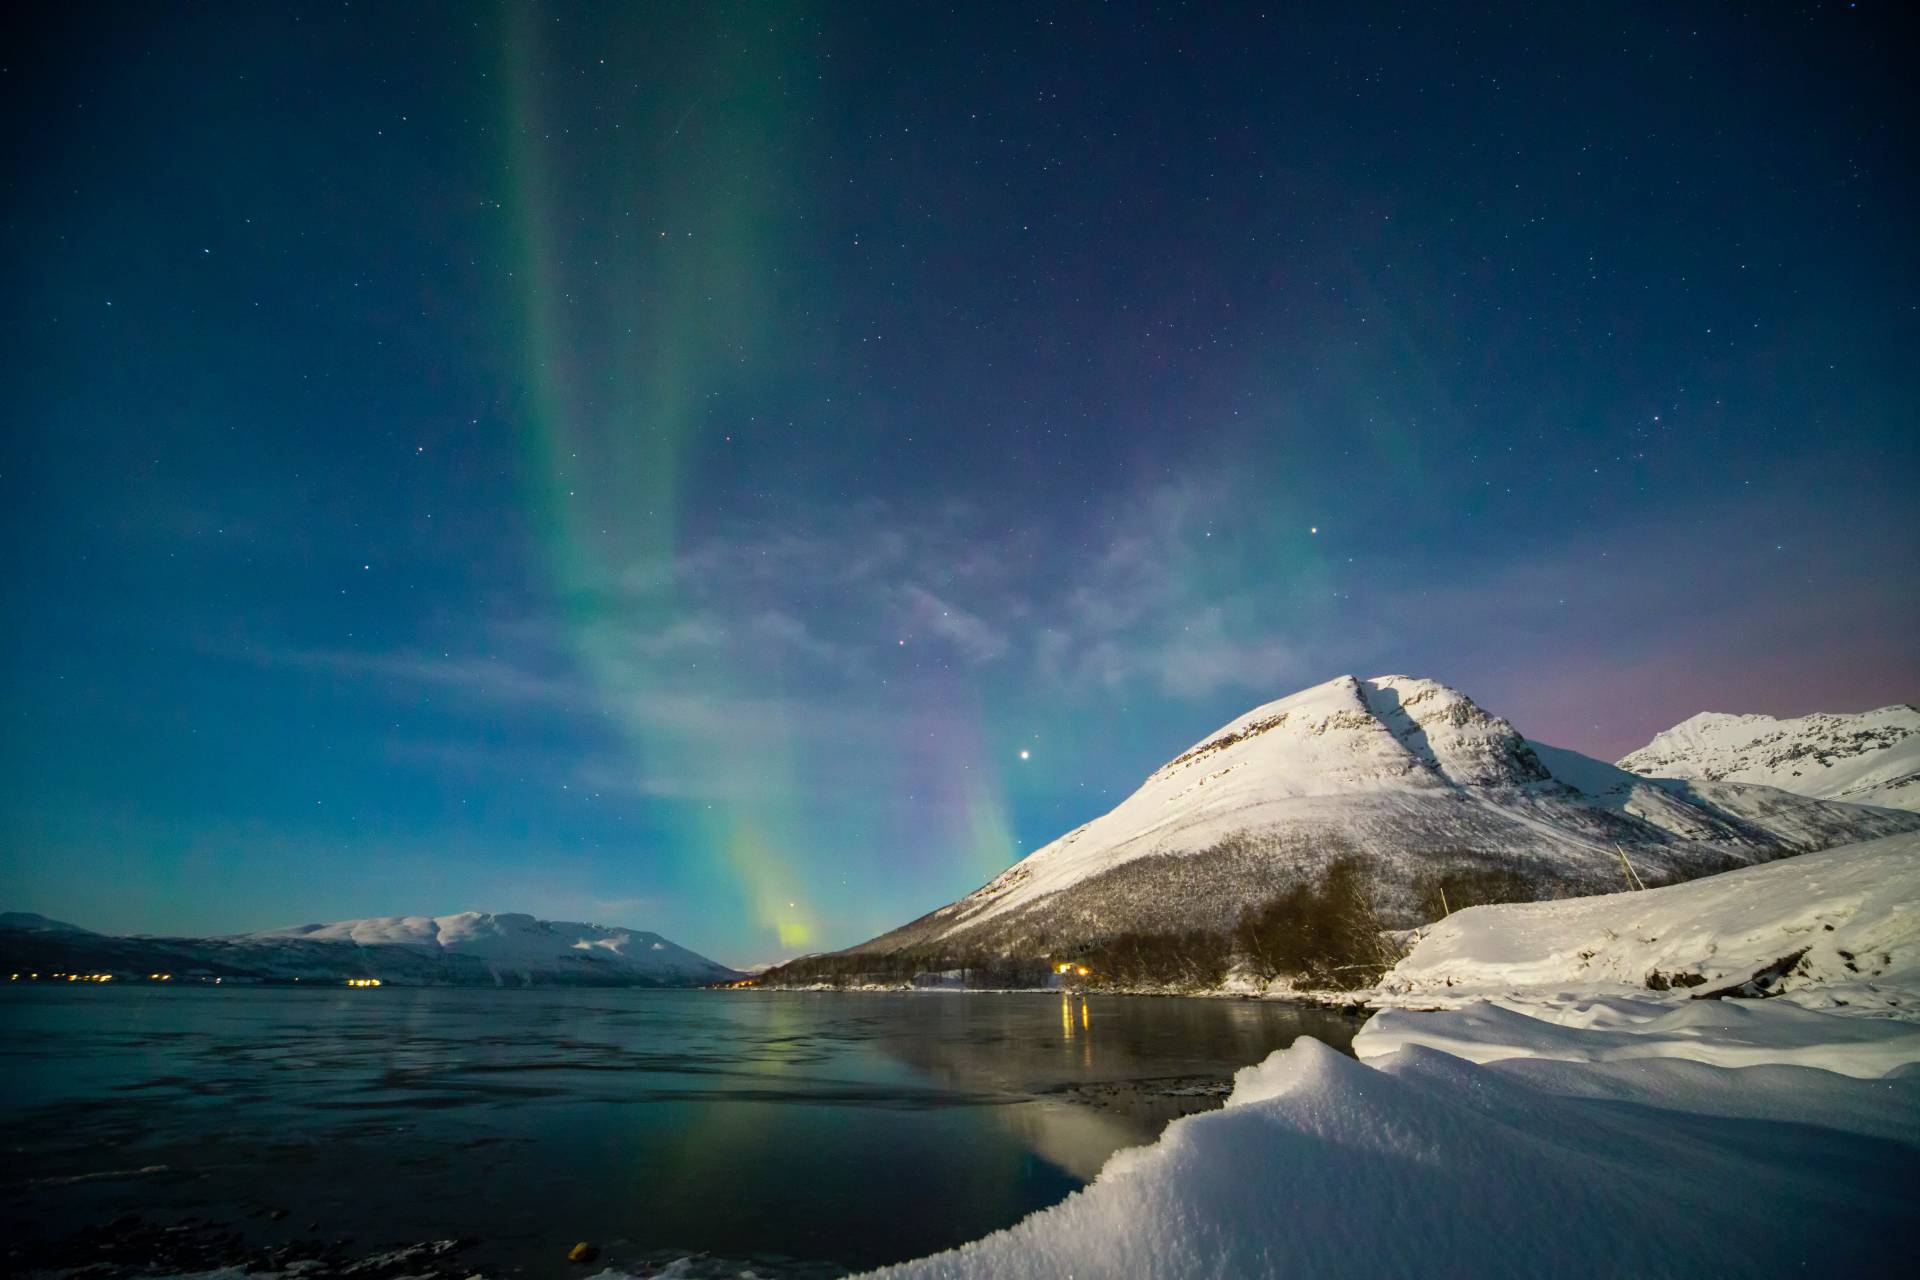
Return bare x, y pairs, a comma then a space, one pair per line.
750, 471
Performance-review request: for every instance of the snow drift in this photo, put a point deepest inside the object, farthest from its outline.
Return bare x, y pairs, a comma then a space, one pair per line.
1424, 1163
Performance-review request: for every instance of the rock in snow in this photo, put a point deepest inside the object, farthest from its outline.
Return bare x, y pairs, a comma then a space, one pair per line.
1869, 758
1407, 773
1577, 1135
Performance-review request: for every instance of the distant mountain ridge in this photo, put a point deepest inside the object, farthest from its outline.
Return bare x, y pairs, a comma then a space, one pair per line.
1407, 774
1872, 757
34, 922
472, 948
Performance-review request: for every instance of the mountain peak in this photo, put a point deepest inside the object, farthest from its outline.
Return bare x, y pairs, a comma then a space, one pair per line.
1869, 757
1349, 733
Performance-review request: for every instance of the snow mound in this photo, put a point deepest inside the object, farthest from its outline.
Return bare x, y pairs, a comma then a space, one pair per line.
1824, 930
1429, 1164
1869, 758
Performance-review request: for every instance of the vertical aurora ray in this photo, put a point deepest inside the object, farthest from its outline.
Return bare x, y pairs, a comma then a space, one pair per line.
642, 227
653, 199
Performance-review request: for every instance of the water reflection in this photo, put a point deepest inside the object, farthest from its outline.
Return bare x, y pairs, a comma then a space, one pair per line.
1158, 1059
854, 1128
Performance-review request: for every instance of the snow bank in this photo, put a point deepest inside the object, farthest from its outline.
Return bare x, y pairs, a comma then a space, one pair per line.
1844, 925
1724, 1033
1425, 1163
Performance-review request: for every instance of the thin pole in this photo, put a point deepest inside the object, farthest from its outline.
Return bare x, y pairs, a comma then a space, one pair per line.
1633, 877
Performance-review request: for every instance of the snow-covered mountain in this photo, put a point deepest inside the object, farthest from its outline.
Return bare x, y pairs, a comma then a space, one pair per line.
1869, 758
473, 948
509, 947
1405, 773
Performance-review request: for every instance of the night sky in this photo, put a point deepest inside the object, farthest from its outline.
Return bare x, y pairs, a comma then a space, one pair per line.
753, 471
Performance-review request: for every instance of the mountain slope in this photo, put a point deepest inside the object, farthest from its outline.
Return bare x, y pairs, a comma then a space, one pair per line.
1406, 773
470, 949
1869, 758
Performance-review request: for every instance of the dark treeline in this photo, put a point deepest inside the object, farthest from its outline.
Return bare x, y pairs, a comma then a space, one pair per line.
1468, 884
981, 969
1324, 934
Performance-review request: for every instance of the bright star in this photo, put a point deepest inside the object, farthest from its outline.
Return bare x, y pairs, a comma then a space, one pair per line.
1024, 753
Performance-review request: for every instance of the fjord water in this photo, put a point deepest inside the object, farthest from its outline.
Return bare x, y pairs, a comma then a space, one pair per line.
831, 1130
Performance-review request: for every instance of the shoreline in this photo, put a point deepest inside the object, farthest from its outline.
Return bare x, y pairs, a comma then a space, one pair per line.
1359, 1003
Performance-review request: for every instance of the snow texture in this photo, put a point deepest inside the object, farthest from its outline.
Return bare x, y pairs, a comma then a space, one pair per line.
1869, 758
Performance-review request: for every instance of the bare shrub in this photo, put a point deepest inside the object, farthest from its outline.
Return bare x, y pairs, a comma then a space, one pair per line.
1324, 933
1437, 893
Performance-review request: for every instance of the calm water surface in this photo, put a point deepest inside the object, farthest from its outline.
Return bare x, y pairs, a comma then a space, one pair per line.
822, 1128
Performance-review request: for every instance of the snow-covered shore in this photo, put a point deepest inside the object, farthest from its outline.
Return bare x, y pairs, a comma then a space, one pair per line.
1562, 1117
1842, 929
